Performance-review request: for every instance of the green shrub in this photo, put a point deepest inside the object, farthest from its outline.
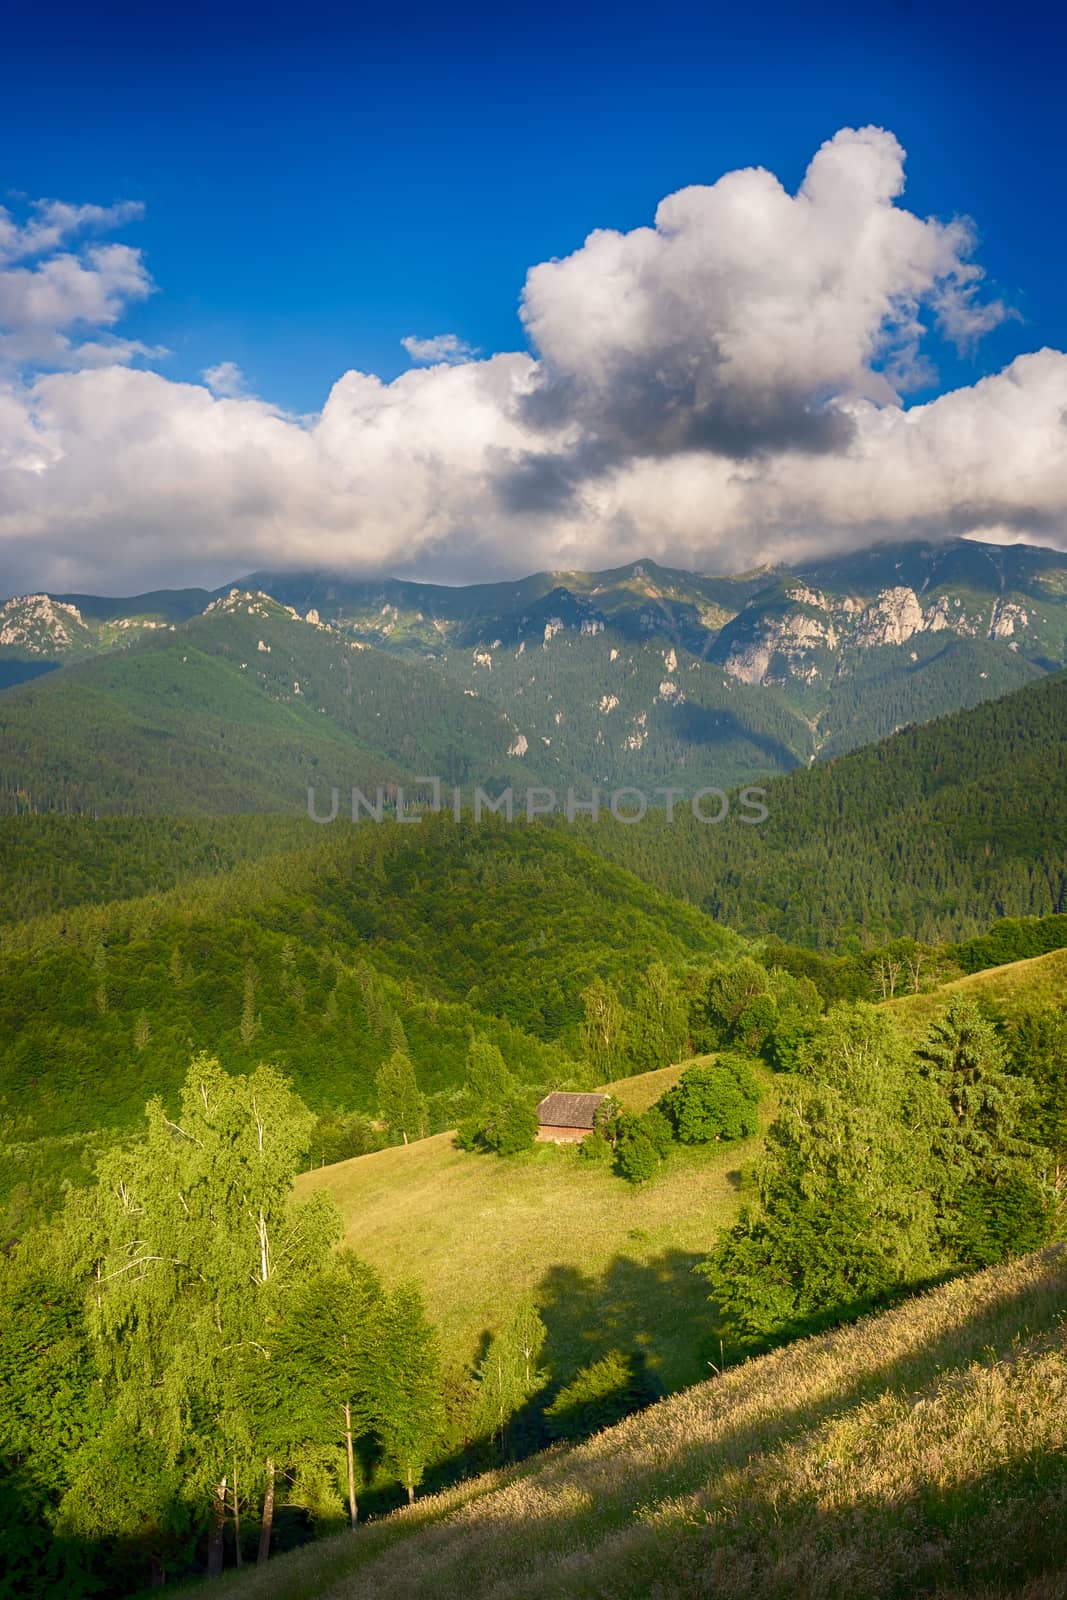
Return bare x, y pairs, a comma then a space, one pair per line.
635, 1155
595, 1147
657, 1129
340, 1135
510, 1126
714, 1102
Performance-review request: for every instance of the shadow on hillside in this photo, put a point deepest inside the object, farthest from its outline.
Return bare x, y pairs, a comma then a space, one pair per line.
713, 726
995, 1535
1001, 1318
656, 1312
1002, 1525
39, 1564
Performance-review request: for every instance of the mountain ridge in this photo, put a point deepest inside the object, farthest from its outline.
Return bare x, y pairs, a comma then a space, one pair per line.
647, 596
637, 675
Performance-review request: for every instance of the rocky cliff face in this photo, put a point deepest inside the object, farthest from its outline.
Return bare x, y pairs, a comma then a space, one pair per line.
804, 636
644, 665
772, 626
37, 625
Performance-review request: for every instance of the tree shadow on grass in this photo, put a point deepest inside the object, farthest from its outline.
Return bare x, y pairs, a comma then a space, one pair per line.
775, 1539
1014, 1311
654, 1311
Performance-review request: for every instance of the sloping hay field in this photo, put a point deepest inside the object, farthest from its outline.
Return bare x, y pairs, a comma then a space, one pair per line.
1039, 981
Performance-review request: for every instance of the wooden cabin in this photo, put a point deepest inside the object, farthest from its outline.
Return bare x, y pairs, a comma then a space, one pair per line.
564, 1118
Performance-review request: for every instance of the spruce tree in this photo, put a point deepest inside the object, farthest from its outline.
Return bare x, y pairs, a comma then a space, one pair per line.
488, 1080
249, 1019
993, 1198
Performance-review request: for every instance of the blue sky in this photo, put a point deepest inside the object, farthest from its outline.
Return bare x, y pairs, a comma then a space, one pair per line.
319, 182
794, 357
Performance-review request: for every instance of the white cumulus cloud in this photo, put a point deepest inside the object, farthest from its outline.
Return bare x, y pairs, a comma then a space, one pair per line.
51, 223
442, 347
226, 380
743, 319
57, 303
721, 387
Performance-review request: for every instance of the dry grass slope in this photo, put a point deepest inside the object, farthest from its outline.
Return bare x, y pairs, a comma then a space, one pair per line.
642, 1090
921, 1452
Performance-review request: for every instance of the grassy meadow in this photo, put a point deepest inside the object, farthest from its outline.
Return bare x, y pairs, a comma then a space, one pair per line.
1040, 981
643, 1089
920, 1452
611, 1265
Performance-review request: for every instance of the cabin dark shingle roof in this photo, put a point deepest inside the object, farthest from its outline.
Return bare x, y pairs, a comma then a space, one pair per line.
561, 1110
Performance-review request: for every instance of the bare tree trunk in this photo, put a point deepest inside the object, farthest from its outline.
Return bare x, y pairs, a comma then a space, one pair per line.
411, 1491
236, 1516
353, 1509
216, 1531
267, 1525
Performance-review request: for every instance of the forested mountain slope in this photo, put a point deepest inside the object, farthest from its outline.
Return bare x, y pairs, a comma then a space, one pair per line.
935, 833
323, 960
55, 861
240, 710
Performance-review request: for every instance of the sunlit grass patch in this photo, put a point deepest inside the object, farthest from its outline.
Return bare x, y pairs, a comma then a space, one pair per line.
610, 1265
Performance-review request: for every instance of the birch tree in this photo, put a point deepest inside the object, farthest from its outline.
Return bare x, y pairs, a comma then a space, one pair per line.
508, 1374
187, 1249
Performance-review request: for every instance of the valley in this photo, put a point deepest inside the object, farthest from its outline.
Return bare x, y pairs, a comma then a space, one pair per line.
608, 1269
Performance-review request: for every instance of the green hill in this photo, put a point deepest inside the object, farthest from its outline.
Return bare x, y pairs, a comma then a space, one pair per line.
55, 861
319, 959
935, 833
921, 1452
